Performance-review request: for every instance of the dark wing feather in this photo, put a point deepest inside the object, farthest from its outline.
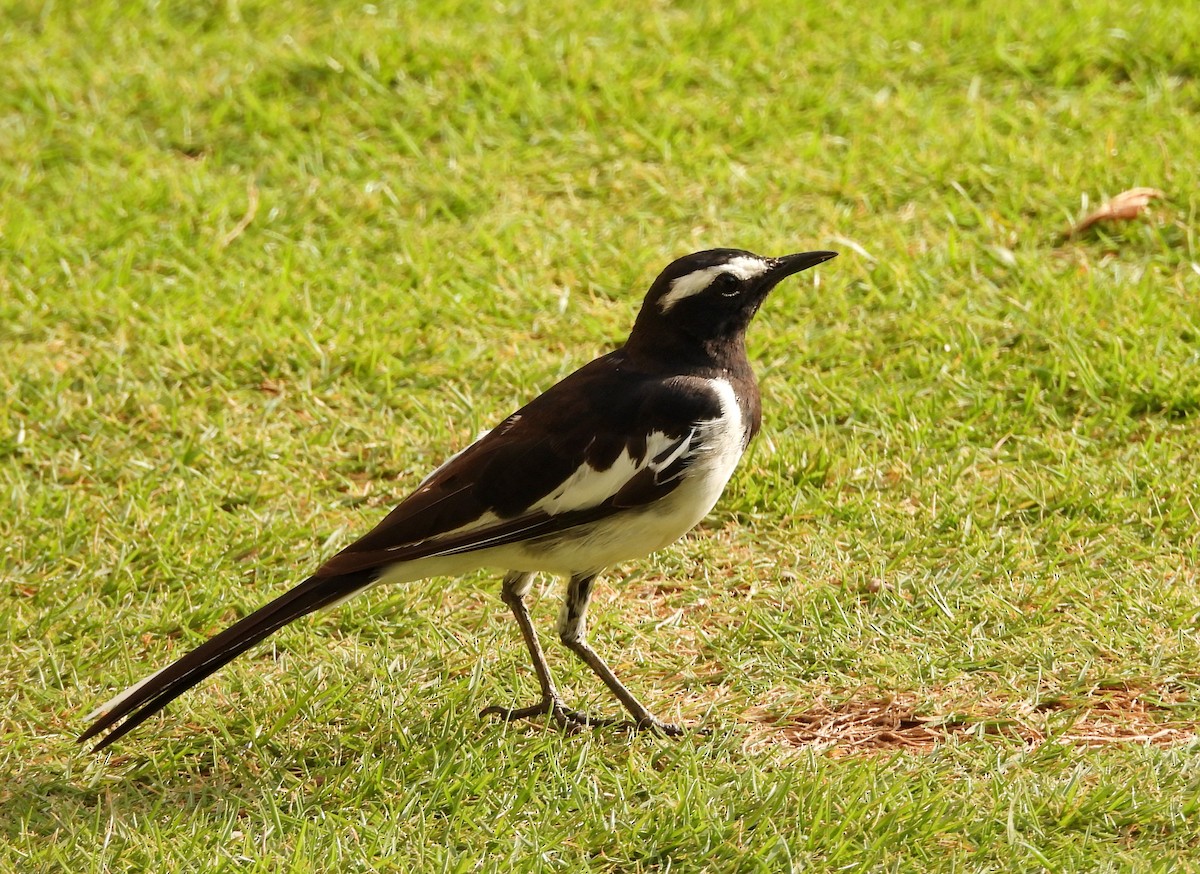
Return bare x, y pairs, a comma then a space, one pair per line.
593, 416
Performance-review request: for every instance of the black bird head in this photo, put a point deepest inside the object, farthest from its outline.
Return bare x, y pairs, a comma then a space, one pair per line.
700, 305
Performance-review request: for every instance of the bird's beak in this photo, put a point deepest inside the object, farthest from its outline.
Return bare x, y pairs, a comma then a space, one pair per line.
782, 268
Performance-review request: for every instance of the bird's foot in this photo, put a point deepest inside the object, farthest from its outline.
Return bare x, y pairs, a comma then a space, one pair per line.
575, 720
656, 726
571, 720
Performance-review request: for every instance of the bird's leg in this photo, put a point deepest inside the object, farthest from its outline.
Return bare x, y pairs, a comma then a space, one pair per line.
513, 590
572, 629
515, 587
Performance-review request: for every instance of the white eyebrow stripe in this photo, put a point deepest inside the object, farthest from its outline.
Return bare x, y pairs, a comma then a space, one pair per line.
743, 267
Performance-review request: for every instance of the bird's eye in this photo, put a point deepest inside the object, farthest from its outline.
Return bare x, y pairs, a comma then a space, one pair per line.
727, 284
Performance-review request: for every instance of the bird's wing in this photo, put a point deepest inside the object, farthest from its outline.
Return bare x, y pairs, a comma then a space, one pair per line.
599, 443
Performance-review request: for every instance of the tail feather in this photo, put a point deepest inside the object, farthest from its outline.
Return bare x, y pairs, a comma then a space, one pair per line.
150, 695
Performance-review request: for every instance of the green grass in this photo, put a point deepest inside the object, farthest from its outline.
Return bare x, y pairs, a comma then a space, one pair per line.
975, 490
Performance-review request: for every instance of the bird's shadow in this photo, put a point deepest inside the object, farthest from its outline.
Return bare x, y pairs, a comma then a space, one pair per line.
76, 792
212, 778
217, 778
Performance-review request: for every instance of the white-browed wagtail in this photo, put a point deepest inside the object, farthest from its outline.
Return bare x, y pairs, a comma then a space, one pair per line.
618, 460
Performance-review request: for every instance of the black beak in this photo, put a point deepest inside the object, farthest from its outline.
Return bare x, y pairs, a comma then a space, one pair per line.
782, 268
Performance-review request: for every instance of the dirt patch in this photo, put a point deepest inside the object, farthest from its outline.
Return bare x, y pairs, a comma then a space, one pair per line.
885, 724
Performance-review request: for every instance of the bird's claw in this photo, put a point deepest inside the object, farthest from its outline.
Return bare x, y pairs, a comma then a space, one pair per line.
570, 720
575, 720
657, 726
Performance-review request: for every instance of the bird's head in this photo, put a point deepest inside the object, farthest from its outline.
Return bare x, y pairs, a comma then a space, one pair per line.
704, 301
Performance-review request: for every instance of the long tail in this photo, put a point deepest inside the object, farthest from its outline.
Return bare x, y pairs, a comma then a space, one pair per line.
153, 693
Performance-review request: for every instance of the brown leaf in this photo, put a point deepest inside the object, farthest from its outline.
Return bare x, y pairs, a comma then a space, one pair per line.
1125, 206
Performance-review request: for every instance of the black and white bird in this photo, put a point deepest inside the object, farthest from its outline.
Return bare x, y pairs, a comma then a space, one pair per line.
618, 460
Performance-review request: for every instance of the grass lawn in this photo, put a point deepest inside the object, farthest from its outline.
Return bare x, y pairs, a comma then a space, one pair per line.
264, 264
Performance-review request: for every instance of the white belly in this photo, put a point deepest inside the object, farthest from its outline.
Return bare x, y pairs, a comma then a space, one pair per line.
636, 533
719, 444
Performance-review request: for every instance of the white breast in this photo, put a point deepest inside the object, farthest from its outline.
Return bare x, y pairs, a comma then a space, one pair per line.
715, 451
721, 442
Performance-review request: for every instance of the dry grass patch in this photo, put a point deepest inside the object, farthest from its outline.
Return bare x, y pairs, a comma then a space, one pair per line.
871, 724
